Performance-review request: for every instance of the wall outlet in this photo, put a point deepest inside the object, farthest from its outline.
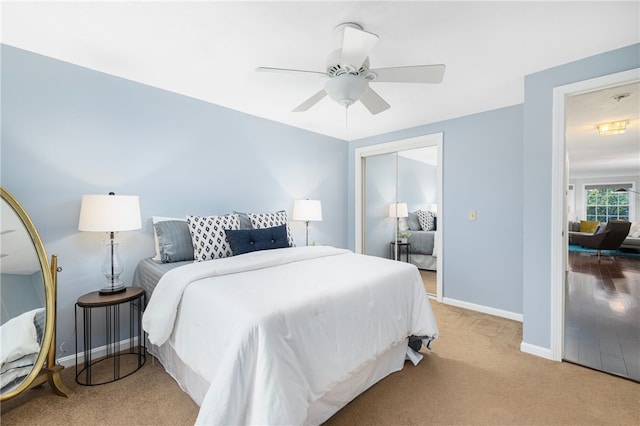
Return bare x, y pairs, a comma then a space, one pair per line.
472, 215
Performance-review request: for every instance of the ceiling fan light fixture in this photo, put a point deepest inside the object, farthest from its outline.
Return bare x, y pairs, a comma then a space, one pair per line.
613, 127
346, 89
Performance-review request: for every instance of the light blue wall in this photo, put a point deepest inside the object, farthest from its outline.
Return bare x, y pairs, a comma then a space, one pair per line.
20, 294
536, 172
69, 131
417, 184
482, 162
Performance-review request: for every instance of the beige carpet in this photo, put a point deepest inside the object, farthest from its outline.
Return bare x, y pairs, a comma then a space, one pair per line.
475, 374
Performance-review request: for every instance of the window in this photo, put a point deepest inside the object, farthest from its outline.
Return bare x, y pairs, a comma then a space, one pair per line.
604, 204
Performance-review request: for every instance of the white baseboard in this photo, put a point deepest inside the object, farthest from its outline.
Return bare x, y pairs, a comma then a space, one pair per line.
537, 351
96, 353
524, 347
483, 309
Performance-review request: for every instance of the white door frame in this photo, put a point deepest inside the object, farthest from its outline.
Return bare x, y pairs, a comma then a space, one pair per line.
558, 195
434, 139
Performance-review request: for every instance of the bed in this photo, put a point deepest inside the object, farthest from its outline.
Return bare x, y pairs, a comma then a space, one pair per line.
423, 251
283, 336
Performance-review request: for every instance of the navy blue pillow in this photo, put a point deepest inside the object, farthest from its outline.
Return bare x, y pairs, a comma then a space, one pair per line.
248, 240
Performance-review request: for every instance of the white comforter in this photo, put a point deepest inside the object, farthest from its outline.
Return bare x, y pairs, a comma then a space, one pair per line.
272, 331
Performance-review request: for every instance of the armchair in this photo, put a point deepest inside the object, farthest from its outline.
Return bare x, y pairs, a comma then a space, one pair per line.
611, 238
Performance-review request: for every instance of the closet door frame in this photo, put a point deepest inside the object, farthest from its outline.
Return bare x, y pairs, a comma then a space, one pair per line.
434, 139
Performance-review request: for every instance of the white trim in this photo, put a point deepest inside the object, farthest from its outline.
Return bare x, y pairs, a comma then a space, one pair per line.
536, 350
96, 353
558, 201
483, 309
433, 139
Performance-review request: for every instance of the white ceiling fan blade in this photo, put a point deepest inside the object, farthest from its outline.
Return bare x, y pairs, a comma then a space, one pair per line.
290, 71
373, 102
410, 74
311, 101
356, 45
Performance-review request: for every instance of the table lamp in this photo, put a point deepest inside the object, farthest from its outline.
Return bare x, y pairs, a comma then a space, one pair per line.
306, 211
110, 213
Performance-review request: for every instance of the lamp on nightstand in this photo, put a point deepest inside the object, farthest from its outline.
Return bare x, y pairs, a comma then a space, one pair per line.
110, 213
306, 211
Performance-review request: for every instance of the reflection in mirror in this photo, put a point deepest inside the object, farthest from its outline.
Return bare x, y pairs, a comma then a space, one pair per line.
408, 177
380, 189
22, 297
27, 305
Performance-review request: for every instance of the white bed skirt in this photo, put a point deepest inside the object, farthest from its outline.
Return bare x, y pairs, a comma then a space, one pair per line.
320, 410
425, 261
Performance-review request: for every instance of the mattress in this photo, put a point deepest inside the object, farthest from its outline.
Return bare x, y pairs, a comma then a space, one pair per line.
422, 242
149, 271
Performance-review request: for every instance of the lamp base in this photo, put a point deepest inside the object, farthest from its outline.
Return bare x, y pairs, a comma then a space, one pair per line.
112, 290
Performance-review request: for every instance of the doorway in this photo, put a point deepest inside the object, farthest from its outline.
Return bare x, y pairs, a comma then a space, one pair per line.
374, 225
560, 195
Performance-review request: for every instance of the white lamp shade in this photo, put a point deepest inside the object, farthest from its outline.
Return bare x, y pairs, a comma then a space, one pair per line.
398, 210
109, 213
307, 210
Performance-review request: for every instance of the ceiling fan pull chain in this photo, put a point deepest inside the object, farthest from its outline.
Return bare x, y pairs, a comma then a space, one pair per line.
346, 117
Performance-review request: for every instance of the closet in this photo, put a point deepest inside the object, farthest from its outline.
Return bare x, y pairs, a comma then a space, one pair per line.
401, 177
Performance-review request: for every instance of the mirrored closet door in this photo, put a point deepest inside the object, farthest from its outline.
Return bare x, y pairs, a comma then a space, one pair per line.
399, 207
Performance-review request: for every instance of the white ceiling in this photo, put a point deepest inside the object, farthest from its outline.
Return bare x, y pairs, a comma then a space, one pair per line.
209, 50
595, 155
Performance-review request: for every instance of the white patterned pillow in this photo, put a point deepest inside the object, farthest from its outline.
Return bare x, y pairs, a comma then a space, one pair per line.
426, 219
209, 237
269, 220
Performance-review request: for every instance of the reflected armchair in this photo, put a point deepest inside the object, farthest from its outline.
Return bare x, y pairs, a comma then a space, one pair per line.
611, 238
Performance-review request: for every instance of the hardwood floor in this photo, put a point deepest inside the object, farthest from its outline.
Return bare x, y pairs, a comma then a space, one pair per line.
602, 314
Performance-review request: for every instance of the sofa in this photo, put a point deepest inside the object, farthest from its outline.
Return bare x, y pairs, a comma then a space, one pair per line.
632, 241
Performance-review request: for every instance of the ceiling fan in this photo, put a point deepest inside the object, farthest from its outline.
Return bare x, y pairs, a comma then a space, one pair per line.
349, 74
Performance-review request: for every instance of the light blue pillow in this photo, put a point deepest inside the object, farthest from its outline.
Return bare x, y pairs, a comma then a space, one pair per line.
245, 222
174, 241
414, 224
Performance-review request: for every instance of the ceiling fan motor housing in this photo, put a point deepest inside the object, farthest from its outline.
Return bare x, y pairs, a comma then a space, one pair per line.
346, 89
335, 66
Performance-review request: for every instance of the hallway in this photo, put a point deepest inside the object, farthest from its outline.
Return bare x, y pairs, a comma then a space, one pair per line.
602, 314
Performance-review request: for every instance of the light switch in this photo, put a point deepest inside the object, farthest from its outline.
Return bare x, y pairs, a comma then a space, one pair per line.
472, 215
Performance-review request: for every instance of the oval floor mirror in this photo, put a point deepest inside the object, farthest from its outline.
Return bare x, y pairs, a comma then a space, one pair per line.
27, 305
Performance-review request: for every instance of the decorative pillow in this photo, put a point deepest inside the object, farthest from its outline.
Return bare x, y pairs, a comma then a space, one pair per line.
414, 223
208, 235
248, 240
157, 219
245, 222
269, 220
426, 219
634, 231
574, 226
174, 240
588, 226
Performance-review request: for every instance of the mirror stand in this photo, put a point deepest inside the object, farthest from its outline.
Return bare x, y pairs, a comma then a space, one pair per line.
51, 371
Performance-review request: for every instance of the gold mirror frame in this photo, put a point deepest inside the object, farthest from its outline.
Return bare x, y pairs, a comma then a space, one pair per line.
39, 373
